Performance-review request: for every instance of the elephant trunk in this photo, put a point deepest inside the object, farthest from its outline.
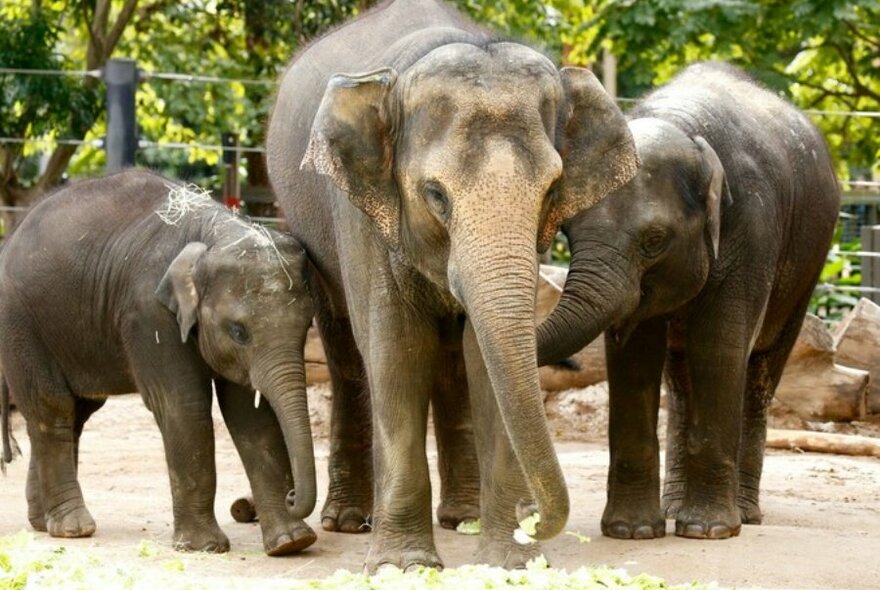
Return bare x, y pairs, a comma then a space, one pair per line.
283, 383
495, 279
602, 288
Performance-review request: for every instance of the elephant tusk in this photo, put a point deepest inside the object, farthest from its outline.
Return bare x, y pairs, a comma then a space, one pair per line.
256, 398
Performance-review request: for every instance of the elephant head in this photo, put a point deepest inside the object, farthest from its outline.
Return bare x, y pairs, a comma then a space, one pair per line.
646, 249
248, 301
466, 162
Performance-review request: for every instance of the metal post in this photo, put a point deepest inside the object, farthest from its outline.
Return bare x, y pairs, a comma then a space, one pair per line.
871, 265
121, 78
231, 161
609, 73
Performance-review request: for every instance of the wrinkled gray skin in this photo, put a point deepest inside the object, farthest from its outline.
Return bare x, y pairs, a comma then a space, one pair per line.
99, 296
430, 177
704, 264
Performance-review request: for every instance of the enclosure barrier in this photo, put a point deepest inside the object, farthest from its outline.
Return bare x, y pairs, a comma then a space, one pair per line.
121, 77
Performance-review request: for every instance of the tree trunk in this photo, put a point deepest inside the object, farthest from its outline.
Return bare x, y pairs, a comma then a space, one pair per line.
588, 365
814, 386
857, 339
823, 442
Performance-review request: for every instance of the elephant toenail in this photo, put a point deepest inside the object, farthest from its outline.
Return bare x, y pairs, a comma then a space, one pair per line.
694, 531
620, 530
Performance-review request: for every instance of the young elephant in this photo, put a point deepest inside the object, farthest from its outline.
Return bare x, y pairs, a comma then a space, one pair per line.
131, 283
704, 263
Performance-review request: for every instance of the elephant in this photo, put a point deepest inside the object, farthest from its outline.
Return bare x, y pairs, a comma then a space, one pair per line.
423, 186
703, 264
133, 283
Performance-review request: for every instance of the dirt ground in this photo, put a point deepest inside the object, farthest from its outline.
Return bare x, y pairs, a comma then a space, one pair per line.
821, 528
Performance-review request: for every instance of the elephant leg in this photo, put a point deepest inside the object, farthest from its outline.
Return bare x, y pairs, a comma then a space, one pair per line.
34, 494
505, 497
765, 371
176, 386
456, 450
678, 393
401, 381
54, 496
349, 501
717, 350
84, 408
53, 471
260, 444
635, 370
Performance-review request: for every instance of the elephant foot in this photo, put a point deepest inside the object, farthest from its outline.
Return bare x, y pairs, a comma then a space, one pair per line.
506, 554
633, 520
451, 515
673, 497
38, 522
671, 506
345, 517
287, 538
203, 537
620, 529
73, 524
707, 524
407, 559
750, 512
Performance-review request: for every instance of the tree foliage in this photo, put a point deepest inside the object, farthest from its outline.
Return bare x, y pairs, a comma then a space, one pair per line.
822, 54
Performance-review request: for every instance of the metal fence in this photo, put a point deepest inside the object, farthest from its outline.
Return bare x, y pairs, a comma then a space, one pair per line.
859, 213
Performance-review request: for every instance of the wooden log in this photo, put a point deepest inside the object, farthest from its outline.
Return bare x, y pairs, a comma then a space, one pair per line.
823, 442
316, 360
590, 360
814, 386
243, 509
857, 339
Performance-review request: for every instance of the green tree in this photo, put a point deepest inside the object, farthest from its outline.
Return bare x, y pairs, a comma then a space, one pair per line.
822, 54
36, 35
224, 38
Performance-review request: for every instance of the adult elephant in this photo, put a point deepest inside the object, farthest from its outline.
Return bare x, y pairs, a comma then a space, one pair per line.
704, 263
428, 182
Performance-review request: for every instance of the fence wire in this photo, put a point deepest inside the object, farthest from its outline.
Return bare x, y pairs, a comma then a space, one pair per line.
202, 79
145, 75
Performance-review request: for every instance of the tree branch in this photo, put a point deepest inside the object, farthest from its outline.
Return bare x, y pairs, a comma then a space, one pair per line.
101, 16
93, 49
853, 72
58, 162
119, 26
297, 21
857, 33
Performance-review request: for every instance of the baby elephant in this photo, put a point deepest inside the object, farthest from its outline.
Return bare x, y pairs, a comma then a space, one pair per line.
132, 283
704, 263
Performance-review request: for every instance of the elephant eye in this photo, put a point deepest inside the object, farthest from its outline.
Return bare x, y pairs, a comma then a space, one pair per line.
654, 242
436, 199
238, 333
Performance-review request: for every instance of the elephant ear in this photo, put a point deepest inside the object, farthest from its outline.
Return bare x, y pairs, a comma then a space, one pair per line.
597, 149
714, 188
177, 289
352, 143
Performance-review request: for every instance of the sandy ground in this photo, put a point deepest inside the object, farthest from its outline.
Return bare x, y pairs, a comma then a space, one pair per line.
821, 529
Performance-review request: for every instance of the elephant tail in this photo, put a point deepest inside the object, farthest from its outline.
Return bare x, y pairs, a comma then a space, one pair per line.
10, 446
